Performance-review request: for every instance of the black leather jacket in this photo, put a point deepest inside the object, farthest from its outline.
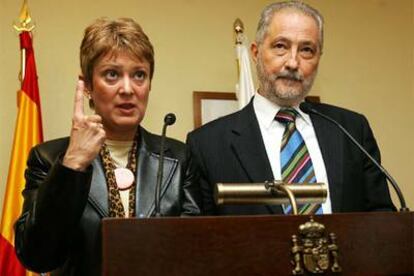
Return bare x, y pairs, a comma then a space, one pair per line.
59, 228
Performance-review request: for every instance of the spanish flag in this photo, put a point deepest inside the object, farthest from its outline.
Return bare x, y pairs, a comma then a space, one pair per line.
28, 133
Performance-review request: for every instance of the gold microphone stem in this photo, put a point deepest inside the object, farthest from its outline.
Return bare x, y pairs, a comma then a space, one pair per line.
292, 198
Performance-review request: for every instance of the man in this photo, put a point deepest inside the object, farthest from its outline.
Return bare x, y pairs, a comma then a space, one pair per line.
262, 141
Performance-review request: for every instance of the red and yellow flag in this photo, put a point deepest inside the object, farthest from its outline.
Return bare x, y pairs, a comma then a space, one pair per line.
28, 132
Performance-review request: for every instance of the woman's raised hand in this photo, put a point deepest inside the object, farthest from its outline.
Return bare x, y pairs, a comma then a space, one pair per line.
86, 137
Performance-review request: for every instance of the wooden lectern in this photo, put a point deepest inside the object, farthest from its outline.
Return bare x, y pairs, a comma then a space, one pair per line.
369, 244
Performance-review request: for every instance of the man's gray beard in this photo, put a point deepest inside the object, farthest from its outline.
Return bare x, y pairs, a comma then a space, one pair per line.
287, 96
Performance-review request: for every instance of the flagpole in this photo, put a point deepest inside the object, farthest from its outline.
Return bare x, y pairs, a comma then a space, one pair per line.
244, 87
238, 28
25, 25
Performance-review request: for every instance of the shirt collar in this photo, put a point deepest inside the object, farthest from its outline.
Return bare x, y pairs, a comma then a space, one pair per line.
266, 111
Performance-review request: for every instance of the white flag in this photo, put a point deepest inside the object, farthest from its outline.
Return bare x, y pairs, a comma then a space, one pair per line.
245, 87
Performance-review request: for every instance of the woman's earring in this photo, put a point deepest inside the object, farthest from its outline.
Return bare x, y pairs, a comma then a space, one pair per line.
87, 93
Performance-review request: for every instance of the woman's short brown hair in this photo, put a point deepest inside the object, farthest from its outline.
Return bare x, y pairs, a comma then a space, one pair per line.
106, 36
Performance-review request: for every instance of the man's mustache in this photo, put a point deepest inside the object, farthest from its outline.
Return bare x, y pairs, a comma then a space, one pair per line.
290, 75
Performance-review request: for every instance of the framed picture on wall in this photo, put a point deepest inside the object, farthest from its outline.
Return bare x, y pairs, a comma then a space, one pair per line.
208, 106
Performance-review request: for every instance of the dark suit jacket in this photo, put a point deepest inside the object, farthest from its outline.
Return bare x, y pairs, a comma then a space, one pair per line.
60, 222
231, 149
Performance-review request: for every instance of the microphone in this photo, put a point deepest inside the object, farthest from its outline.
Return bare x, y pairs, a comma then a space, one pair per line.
169, 119
307, 108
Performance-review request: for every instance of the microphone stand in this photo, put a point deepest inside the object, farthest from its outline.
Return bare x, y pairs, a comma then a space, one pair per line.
305, 107
169, 119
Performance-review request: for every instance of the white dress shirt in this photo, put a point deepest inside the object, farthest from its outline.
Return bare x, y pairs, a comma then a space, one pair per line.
272, 133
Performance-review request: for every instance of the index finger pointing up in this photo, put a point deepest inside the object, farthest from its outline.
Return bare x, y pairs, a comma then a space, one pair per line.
78, 106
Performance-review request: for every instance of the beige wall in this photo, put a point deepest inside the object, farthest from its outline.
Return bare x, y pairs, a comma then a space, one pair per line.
367, 66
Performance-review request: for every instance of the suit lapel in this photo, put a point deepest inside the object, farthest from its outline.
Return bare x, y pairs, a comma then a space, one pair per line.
248, 146
98, 194
331, 144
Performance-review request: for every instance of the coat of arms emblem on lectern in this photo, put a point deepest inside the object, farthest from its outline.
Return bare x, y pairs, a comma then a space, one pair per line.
313, 250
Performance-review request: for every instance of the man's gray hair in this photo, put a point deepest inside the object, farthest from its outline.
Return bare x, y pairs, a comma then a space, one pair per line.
270, 10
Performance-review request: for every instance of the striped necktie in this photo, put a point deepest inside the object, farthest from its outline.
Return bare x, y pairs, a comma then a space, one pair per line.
295, 162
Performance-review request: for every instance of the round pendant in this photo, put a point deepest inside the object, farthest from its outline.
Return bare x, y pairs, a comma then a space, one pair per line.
124, 178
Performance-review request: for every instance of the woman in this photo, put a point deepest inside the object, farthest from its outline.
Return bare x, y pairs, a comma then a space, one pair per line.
108, 165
